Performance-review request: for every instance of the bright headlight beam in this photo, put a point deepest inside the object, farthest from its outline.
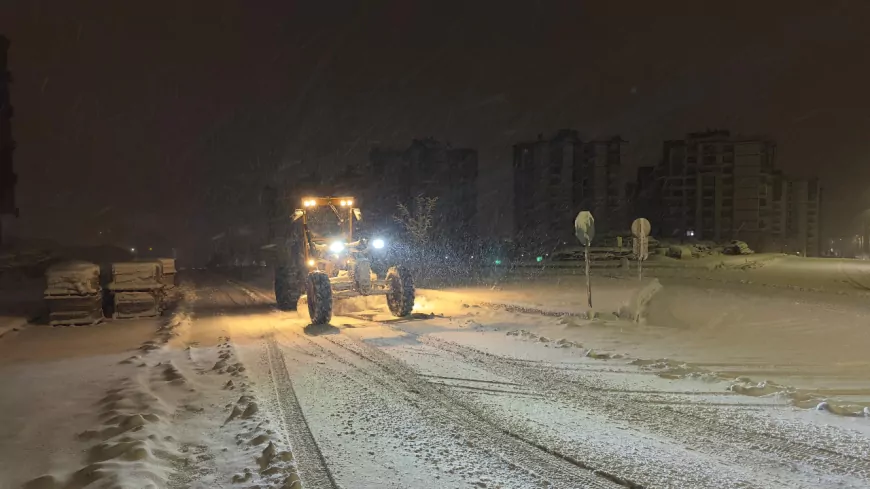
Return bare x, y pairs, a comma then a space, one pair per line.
336, 247
378, 244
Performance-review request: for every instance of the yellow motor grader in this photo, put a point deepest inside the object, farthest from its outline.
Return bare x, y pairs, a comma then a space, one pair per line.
339, 264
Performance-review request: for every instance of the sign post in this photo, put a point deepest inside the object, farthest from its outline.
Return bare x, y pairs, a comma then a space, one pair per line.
584, 229
640, 229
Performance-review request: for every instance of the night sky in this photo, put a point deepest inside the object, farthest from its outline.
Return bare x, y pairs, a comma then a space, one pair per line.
143, 114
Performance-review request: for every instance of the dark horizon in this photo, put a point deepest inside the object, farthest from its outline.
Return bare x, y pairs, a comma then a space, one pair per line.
172, 115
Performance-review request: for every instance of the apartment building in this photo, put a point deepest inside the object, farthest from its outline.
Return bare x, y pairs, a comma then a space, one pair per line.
715, 186
719, 187
556, 178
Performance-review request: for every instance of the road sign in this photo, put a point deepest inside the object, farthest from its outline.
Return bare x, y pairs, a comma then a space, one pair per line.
640, 227
584, 227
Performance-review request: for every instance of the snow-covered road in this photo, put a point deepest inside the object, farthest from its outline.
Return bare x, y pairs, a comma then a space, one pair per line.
232, 393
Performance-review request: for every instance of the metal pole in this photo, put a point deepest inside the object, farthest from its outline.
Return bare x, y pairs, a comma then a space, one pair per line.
641, 253
588, 284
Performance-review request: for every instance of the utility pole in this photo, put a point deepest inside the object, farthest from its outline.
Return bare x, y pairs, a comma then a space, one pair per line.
8, 178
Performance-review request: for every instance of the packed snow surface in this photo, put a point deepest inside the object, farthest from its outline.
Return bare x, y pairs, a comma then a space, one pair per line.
686, 379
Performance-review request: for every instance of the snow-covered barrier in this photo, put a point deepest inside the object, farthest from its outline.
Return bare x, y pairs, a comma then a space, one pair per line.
136, 304
73, 294
74, 310
72, 278
167, 271
137, 289
680, 251
135, 275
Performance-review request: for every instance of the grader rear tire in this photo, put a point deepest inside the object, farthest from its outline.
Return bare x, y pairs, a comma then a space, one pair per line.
287, 289
290, 269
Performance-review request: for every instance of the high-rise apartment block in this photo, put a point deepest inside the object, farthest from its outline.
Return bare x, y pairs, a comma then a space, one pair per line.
717, 187
556, 178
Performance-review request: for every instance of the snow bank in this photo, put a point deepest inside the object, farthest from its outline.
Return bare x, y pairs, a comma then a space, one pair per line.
635, 308
131, 442
131, 447
177, 414
612, 298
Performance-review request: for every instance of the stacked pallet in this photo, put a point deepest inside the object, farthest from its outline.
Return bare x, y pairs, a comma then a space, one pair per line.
136, 289
73, 294
167, 268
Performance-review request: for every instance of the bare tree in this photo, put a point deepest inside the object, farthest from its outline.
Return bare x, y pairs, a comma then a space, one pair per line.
417, 218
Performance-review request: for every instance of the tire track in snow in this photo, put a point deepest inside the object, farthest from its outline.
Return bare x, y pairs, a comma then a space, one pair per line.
518, 449
461, 379
852, 280
679, 425
704, 430
513, 447
313, 469
488, 390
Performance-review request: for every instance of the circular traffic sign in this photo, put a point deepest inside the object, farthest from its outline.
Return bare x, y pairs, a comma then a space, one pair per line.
640, 227
584, 227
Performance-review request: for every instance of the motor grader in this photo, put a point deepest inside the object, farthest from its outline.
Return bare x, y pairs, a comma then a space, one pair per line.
338, 264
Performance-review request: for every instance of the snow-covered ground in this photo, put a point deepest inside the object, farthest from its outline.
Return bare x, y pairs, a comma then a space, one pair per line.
830, 276
672, 382
764, 339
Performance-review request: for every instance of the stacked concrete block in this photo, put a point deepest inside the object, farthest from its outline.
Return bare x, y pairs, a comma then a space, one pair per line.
73, 294
167, 267
136, 289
